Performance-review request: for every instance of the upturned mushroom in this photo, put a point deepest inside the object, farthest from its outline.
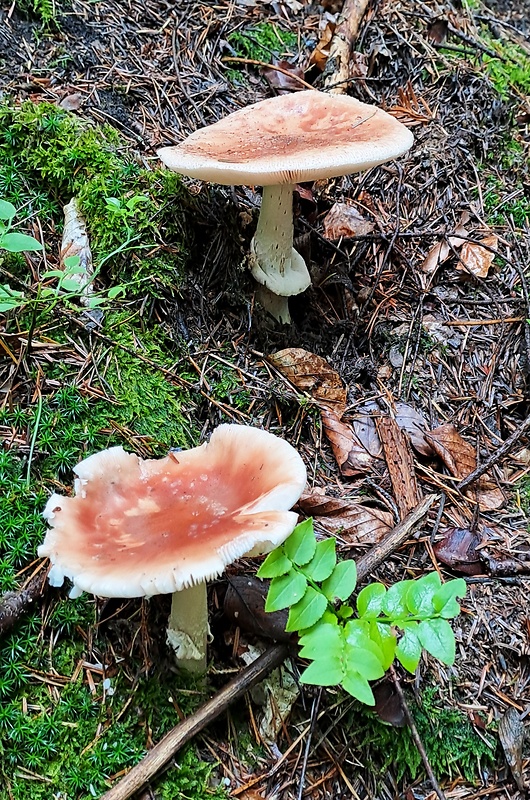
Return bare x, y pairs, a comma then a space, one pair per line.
277, 143
143, 527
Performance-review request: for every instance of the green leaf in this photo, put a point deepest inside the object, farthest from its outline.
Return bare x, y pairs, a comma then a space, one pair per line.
358, 687
19, 243
342, 581
73, 265
285, 591
52, 273
323, 562
323, 637
444, 600
395, 601
307, 611
70, 285
420, 595
326, 671
370, 600
275, 564
408, 650
116, 291
301, 545
364, 661
345, 612
113, 203
10, 298
437, 637
383, 636
7, 210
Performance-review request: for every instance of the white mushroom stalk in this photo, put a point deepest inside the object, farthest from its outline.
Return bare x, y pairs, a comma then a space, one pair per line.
276, 143
143, 527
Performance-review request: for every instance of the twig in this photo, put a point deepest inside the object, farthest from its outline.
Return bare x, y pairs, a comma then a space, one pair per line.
415, 735
370, 560
161, 753
14, 604
269, 66
337, 72
495, 457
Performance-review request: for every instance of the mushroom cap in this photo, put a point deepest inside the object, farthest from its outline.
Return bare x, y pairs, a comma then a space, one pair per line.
292, 138
142, 527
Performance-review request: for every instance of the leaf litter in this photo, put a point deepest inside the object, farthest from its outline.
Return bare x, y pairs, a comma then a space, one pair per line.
478, 382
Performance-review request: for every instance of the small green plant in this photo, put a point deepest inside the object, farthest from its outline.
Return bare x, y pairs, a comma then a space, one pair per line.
399, 622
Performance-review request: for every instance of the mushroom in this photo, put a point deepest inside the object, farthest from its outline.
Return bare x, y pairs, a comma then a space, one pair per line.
277, 143
143, 527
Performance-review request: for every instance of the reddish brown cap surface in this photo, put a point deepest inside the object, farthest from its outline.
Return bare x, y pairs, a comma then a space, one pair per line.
291, 138
140, 527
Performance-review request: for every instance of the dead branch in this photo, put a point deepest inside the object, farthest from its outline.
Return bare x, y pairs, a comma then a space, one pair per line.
495, 457
14, 604
338, 63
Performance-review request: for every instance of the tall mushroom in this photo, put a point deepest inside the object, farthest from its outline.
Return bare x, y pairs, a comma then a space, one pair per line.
277, 143
143, 527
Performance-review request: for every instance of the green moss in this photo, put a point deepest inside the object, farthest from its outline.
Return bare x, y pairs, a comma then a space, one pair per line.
263, 41
48, 156
452, 745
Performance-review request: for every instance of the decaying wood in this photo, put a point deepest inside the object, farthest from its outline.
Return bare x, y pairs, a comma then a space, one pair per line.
400, 464
14, 604
161, 753
338, 65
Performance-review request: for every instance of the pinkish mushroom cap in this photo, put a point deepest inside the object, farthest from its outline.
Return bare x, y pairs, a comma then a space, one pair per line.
143, 527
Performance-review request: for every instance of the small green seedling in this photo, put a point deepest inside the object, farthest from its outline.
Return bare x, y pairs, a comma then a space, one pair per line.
13, 242
350, 647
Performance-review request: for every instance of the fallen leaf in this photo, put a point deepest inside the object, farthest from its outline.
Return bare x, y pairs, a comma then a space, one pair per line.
414, 425
441, 251
358, 523
475, 258
350, 454
344, 221
244, 605
311, 373
320, 54
437, 31
512, 735
388, 705
460, 459
363, 425
280, 81
400, 465
458, 549
72, 102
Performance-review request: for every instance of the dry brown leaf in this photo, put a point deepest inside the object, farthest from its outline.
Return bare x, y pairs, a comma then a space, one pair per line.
512, 734
414, 425
311, 373
477, 259
351, 456
72, 102
437, 31
441, 251
343, 220
400, 465
363, 425
458, 549
281, 81
358, 523
320, 54
460, 459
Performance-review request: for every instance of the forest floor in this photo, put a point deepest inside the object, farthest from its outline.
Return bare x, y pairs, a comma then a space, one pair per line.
418, 308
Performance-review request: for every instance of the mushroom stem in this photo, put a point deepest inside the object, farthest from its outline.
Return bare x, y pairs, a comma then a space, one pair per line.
278, 307
273, 261
188, 627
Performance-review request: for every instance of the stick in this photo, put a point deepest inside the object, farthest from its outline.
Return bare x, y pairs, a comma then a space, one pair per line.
162, 752
495, 457
166, 748
337, 72
14, 604
370, 560
415, 735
